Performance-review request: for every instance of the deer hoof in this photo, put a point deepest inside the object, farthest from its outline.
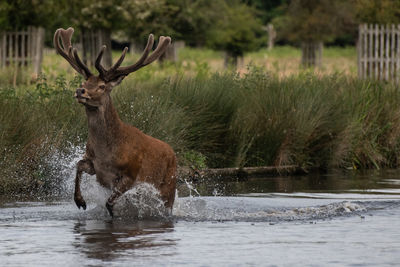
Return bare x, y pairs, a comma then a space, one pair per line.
80, 202
110, 209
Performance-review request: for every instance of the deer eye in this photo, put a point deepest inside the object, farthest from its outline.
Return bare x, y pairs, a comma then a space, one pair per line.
102, 87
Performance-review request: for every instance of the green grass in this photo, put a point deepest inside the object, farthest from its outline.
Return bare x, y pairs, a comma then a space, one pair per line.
281, 60
333, 52
277, 52
211, 119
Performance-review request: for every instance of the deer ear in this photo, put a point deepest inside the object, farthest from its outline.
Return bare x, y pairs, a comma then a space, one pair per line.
116, 81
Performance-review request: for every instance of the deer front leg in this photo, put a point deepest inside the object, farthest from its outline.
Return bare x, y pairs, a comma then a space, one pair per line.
121, 185
83, 165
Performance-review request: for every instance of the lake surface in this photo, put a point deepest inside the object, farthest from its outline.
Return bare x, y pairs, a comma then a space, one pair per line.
336, 219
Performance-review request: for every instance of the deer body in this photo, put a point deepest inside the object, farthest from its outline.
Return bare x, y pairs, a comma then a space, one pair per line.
120, 152
120, 155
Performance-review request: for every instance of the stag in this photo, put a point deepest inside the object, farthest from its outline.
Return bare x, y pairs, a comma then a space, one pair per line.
120, 155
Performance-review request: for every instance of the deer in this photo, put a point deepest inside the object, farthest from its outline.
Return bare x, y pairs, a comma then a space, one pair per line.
120, 155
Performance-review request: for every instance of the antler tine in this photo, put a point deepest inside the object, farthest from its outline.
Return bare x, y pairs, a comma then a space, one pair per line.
116, 71
61, 51
119, 61
139, 63
68, 53
102, 71
161, 47
81, 65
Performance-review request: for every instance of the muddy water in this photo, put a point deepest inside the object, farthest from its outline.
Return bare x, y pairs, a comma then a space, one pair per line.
329, 220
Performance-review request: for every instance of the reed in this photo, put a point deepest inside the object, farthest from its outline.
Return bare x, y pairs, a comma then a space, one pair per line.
213, 120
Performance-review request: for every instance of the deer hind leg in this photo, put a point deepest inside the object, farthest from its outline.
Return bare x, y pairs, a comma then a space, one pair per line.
122, 184
83, 165
169, 186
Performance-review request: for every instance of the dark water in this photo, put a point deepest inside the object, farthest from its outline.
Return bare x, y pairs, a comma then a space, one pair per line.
337, 219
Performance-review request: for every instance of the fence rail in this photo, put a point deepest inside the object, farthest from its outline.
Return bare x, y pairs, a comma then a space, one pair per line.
22, 48
379, 52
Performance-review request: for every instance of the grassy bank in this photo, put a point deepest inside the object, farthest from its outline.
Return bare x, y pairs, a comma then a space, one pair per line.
213, 120
283, 61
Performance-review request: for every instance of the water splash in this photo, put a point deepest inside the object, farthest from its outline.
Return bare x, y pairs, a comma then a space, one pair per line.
141, 202
54, 173
191, 188
64, 165
258, 209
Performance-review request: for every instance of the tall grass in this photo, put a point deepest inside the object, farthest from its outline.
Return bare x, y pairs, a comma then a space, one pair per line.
214, 120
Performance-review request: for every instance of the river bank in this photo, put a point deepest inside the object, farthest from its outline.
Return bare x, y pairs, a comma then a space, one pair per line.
212, 120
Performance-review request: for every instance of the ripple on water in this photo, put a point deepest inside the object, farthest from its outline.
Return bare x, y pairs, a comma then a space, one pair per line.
144, 203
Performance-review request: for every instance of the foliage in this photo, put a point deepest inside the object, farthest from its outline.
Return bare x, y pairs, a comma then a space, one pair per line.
194, 159
315, 20
18, 14
195, 18
97, 14
224, 25
150, 16
378, 11
231, 25
237, 30
267, 10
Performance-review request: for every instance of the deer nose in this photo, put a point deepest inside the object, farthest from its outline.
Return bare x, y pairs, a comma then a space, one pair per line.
80, 91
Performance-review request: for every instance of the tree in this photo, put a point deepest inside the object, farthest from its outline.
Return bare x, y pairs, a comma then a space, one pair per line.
194, 18
186, 20
312, 22
225, 25
236, 31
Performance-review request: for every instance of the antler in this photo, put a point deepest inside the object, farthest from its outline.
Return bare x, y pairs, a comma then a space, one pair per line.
69, 53
116, 71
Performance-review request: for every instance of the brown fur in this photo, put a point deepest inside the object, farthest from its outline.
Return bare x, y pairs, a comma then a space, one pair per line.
120, 155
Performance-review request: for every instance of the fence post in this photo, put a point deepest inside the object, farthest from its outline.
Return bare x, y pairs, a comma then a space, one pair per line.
358, 44
3, 49
376, 56
271, 36
381, 48
38, 50
397, 73
392, 52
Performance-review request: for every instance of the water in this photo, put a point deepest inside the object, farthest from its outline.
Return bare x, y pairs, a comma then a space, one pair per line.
329, 220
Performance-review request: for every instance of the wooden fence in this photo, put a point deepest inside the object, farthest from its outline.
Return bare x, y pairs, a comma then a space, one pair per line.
379, 52
22, 48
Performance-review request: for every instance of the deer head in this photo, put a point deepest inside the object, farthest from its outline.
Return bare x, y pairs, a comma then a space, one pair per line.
96, 89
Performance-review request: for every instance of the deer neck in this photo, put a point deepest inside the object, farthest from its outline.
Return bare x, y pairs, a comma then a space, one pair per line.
104, 123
